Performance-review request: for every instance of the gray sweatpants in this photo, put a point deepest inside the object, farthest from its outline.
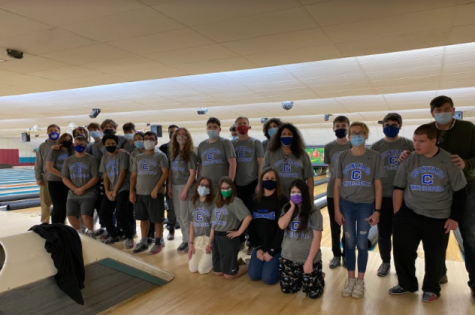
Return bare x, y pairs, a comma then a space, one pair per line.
182, 210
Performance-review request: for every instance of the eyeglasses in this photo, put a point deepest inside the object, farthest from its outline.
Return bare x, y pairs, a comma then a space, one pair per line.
391, 125
357, 134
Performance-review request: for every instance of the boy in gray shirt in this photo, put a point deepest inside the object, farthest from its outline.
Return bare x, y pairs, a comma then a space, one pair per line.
80, 174
41, 174
216, 156
330, 154
429, 193
149, 172
390, 147
115, 169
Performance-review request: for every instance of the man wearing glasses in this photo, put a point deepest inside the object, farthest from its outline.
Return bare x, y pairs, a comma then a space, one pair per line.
390, 147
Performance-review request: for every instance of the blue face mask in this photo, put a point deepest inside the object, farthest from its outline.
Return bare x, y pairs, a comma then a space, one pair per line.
212, 134
234, 137
443, 118
391, 131
94, 134
272, 131
79, 148
53, 136
129, 136
139, 144
357, 140
286, 140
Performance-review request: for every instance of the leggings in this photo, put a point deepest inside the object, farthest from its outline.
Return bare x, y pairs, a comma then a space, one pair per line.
59, 195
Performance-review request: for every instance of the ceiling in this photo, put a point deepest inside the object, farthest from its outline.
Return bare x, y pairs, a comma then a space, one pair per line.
157, 61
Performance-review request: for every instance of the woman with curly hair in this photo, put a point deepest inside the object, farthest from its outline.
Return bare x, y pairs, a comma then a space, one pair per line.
269, 128
183, 163
286, 154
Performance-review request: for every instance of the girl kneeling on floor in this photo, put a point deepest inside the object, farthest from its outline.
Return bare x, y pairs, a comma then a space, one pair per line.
227, 214
200, 208
301, 261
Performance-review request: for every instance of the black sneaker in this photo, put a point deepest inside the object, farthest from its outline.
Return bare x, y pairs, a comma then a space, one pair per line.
444, 280
171, 235
383, 270
177, 226
335, 262
140, 248
99, 231
182, 246
112, 240
398, 290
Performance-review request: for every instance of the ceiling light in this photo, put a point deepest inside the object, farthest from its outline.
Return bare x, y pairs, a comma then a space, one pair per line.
287, 105
71, 126
95, 112
202, 110
263, 120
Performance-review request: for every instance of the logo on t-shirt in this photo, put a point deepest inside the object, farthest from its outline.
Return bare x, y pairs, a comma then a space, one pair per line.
356, 171
428, 175
393, 159
218, 212
241, 154
210, 157
79, 170
145, 167
356, 175
293, 233
263, 214
201, 217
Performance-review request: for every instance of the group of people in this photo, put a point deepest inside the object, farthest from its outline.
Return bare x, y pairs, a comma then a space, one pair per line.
413, 191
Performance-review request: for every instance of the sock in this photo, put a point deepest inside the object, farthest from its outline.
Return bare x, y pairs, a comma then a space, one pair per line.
144, 241
158, 241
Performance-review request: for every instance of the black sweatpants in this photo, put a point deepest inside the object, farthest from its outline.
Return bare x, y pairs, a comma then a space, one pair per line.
245, 193
98, 204
335, 229
409, 229
123, 209
59, 196
385, 229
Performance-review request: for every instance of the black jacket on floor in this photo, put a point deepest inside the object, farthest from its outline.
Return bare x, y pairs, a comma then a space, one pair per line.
64, 245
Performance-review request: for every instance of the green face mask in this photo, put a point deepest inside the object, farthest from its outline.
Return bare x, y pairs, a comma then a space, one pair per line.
226, 193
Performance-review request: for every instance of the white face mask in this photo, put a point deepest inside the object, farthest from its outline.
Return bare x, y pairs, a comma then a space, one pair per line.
149, 144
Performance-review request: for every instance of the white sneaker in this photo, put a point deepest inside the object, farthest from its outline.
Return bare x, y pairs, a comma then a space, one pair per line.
349, 286
358, 291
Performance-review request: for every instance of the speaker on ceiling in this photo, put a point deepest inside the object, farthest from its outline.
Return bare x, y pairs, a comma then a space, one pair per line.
157, 129
25, 137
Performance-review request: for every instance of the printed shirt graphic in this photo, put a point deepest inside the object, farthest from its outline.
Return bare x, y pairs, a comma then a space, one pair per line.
390, 152
357, 174
247, 153
331, 152
201, 217
112, 165
296, 245
149, 171
58, 157
213, 158
181, 169
289, 167
429, 183
228, 217
80, 171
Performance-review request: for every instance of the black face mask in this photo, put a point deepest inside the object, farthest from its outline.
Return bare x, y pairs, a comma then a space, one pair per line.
111, 148
67, 144
109, 132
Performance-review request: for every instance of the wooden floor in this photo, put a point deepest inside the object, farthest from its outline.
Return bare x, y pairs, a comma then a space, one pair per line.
207, 294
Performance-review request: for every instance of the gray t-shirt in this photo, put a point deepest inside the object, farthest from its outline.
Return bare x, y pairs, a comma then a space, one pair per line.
429, 183
289, 167
357, 175
149, 171
213, 158
181, 169
97, 150
390, 152
265, 144
330, 154
296, 245
228, 217
40, 163
201, 217
58, 157
247, 153
80, 171
112, 165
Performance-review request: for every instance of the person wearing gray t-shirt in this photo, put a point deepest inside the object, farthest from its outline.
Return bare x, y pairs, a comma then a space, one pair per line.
286, 154
182, 177
429, 195
200, 208
80, 174
115, 169
216, 156
390, 147
358, 193
301, 259
330, 154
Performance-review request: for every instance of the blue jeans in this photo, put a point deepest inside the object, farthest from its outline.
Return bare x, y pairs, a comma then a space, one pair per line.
356, 230
263, 270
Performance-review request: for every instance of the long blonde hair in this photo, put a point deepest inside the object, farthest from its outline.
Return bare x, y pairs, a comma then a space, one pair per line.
174, 149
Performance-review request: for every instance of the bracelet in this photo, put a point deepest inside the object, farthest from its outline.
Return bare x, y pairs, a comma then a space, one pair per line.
377, 210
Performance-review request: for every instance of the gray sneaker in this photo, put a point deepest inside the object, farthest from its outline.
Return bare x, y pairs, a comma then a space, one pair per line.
383, 270
112, 240
129, 243
140, 248
349, 286
444, 280
91, 234
335, 262
358, 290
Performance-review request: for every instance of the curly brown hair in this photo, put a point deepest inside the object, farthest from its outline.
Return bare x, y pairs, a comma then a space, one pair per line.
220, 200
174, 149
298, 145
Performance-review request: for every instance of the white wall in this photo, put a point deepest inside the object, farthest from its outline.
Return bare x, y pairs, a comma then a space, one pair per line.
25, 148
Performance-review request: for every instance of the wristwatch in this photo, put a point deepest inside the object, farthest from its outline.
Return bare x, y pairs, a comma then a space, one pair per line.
377, 210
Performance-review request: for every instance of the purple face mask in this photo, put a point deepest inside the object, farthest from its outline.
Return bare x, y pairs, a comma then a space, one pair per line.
296, 198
